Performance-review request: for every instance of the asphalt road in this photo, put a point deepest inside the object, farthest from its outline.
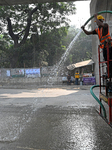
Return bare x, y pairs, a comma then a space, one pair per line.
52, 119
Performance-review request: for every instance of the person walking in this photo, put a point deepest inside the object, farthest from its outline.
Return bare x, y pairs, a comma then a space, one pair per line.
69, 79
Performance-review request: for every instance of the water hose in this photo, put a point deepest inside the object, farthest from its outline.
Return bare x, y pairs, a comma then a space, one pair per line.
103, 108
101, 12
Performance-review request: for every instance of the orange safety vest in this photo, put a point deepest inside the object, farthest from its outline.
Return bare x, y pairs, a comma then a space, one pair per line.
102, 38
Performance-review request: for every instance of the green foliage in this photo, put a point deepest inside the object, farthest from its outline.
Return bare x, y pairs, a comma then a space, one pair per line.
47, 17
49, 23
47, 48
52, 43
3, 52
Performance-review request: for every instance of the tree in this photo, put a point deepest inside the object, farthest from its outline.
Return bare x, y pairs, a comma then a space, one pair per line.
52, 43
4, 45
22, 18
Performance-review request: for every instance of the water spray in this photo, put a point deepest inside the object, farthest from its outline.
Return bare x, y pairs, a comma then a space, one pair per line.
56, 68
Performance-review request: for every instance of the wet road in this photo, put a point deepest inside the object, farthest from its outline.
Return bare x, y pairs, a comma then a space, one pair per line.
51, 119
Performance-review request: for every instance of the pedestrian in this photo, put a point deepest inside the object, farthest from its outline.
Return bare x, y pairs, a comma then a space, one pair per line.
69, 79
76, 78
104, 37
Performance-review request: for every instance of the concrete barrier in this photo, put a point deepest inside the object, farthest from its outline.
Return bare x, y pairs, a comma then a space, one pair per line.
22, 82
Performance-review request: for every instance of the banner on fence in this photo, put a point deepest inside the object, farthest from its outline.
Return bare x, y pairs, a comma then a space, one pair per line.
17, 72
32, 72
8, 73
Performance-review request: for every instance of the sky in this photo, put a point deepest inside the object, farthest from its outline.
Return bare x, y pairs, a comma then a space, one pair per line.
82, 13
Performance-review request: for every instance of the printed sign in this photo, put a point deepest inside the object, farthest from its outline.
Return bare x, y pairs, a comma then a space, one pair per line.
32, 71
89, 81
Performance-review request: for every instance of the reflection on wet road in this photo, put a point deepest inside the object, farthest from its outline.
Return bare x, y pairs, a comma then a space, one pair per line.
57, 119
59, 128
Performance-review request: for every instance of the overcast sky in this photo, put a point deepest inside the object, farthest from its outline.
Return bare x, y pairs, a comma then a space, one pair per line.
82, 13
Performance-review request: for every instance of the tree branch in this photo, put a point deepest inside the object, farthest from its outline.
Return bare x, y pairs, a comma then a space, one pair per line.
13, 36
29, 19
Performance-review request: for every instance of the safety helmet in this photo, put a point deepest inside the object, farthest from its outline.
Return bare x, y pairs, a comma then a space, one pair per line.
100, 17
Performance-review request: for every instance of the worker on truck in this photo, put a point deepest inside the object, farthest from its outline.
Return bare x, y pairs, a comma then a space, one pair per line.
104, 37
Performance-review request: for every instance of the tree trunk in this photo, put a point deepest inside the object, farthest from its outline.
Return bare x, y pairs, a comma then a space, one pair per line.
15, 37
